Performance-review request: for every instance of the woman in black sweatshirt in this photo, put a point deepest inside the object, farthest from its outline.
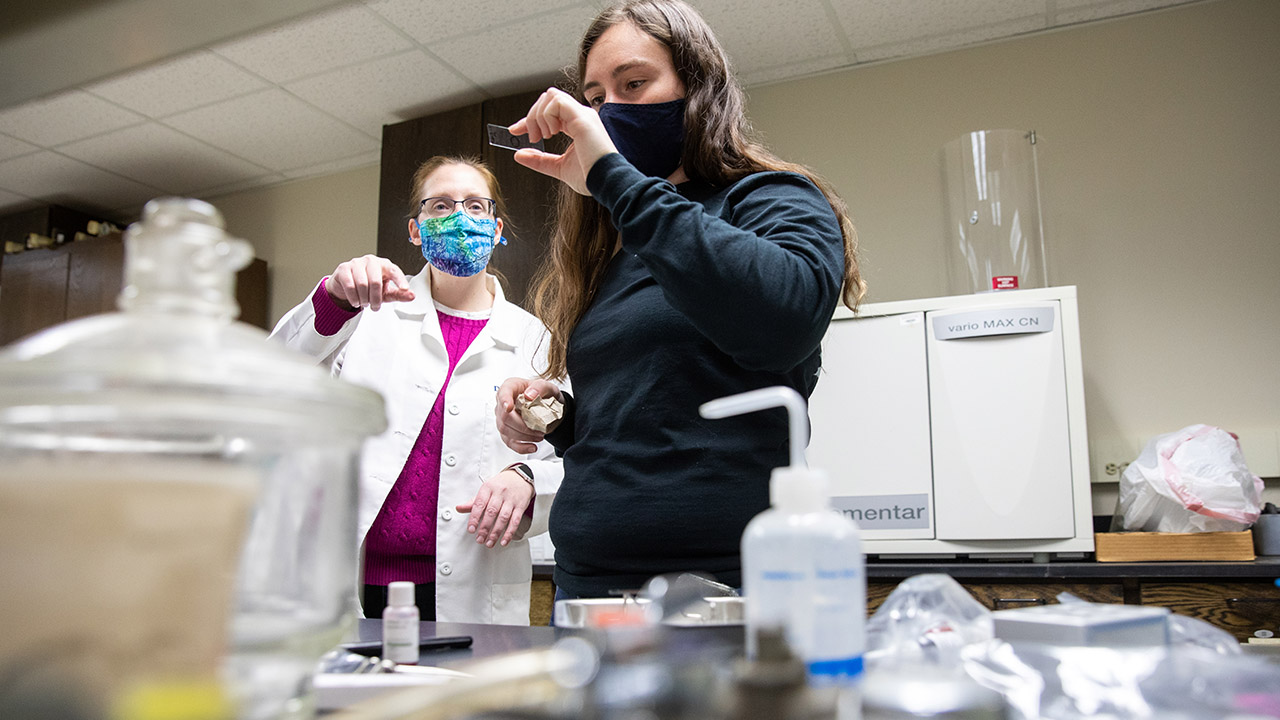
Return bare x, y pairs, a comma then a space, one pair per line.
688, 263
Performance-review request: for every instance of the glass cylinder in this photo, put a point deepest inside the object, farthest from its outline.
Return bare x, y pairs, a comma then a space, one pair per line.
177, 495
995, 239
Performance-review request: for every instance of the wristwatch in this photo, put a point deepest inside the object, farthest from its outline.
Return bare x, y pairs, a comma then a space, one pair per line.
522, 470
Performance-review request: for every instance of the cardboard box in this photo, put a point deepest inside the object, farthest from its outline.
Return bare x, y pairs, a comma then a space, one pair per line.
1151, 546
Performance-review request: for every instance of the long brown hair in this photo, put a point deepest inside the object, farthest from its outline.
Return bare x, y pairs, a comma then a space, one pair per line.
719, 149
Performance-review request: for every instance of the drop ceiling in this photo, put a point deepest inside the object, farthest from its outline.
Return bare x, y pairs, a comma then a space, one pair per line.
200, 106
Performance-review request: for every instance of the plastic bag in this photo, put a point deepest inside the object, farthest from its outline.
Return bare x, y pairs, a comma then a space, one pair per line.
1181, 682
1192, 480
927, 619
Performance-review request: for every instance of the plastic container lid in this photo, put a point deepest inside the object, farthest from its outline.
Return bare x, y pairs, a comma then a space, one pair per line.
799, 490
401, 594
172, 365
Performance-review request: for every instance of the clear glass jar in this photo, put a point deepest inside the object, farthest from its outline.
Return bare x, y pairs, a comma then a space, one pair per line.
995, 238
177, 494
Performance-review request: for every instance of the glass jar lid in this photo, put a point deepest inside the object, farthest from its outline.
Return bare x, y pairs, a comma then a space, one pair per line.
172, 365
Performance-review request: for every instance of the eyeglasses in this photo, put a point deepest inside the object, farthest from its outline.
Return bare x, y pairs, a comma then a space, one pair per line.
438, 207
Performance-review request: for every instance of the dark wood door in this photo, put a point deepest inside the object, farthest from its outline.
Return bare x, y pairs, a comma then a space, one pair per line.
95, 276
1241, 609
33, 292
404, 147
530, 198
252, 295
40, 288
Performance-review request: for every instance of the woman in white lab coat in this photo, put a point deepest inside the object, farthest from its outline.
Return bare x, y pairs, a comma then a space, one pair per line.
443, 502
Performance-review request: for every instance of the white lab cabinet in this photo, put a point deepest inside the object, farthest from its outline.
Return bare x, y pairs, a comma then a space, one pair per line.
955, 426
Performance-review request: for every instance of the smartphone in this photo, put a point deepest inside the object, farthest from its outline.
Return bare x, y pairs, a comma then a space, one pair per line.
447, 642
499, 136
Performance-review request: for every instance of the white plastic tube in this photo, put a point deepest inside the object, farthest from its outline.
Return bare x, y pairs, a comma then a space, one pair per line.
764, 398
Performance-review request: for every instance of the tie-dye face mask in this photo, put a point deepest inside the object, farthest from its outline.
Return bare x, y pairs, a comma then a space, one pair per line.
458, 244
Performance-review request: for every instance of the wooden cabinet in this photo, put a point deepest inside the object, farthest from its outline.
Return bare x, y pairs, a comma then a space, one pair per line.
1242, 609
1009, 595
1238, 597
40, 288
52, 221
95, 275
33, 292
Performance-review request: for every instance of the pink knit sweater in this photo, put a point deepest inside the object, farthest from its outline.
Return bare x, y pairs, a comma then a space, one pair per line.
401, 544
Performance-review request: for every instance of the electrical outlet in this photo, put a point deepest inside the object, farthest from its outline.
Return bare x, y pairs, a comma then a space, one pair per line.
1110, 456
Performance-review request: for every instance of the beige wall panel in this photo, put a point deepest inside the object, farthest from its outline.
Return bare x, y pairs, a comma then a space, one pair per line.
1159, 172
303, 229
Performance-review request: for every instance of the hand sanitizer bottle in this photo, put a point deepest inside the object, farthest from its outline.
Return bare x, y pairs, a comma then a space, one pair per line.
803, 569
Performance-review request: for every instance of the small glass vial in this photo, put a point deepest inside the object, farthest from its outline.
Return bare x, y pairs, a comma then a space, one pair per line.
400, 624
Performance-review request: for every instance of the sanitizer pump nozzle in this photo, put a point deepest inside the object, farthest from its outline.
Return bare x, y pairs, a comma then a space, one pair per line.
802, 564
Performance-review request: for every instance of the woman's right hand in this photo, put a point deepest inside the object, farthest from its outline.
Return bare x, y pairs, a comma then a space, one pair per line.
367, 281
555, 112
511, 425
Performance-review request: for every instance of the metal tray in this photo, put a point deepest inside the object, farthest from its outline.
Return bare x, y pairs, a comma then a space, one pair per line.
603, 612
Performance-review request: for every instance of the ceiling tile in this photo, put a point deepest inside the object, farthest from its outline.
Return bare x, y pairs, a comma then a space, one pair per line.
320, 42
874, 23
225, 125
351, 163
55, 178
387, 90
788, 72
950, 41
806, 33
273, 129
176, 85
13, 147
162, 157
431, 20
1075, 11
63, 118
519, 56
261, 181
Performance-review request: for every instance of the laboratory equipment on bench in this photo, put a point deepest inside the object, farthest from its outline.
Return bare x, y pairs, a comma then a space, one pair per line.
955, 426
176, 493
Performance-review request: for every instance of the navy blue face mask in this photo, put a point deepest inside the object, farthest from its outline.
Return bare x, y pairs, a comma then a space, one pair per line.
649, 135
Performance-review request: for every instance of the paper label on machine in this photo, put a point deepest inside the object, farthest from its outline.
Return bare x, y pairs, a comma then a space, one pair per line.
994, 321
886, 512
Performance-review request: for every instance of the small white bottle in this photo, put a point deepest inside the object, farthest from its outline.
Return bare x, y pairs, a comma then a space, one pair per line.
802, 564
400, 624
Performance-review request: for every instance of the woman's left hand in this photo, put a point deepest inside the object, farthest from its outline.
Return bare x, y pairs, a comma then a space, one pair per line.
555, 112
498, 508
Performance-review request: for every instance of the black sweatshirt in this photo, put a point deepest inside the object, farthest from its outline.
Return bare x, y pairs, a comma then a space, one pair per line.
716, 291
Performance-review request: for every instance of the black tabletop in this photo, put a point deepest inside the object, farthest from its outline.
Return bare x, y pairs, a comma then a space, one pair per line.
490, 640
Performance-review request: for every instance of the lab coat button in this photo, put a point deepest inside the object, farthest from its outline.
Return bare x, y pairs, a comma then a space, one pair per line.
453, 409
445, 568
447, 515
450, 460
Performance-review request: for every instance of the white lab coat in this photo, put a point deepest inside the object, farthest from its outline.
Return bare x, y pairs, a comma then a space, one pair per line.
399, 352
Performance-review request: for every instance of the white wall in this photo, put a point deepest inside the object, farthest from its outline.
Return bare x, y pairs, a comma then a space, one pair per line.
1160, 164
1160, 183
303, 229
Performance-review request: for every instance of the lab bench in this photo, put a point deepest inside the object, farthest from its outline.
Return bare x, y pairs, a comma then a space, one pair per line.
1239, 597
